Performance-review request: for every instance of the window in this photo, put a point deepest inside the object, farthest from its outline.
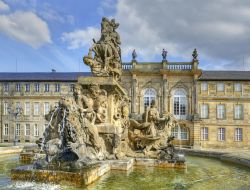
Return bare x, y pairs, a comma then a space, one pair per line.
149, 95
174, 132
27, 87
27, 130
220, 87
46, 87
204, 111
238, 134
37, 87
204, 133
46, 108
182, 135
204, 86
237, 87
238, 111
18, 87
36, 108
27, 108
6, 87
36, 130
221, 113
221, 134
18, 129
57, 87
18, 107
71, 88
180, 104
5, 108
6, 129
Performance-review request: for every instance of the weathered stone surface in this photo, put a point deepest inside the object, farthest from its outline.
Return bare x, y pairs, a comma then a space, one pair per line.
121, 164
78, 178
158, 163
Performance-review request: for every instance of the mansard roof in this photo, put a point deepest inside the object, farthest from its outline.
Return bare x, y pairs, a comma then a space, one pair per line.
72, 76
225, 75
43, 76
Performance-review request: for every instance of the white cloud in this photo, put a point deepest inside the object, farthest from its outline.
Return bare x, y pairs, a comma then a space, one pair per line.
26, 27
4, 6
81, 38
219, 29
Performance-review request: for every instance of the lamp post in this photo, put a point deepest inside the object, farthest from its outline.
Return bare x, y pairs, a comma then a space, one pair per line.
15, 112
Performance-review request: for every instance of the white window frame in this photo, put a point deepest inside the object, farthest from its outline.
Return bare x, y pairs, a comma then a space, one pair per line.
183, 135
221, 134
46, 108
6, 129
221, 111
149, 95
27, 87
18, 129
238, 134
37, 87
18, 87
237, 87
36, 130
6, 87
220, 87
204, 86
5, 108
27, 129
46, 87
204, 110
180, 104
57, 87
238, 111
36, 108
27, 108
204, 133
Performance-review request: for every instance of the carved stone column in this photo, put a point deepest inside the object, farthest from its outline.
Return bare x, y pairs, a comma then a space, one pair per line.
164, 94
134, 94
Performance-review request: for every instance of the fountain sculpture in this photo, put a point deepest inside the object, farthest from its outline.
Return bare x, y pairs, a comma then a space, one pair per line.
94, 126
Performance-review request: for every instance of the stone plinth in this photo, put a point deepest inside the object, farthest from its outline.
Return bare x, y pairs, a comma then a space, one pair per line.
121, 164
158, 163
27, 157
78, 178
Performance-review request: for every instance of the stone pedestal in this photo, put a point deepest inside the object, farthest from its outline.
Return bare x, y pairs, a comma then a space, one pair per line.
158, 163
114, 93
78, 178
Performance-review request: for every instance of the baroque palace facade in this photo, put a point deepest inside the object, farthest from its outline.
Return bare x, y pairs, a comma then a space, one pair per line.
212, 107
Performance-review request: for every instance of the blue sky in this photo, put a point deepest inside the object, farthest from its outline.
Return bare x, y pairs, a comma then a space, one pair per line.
38, 35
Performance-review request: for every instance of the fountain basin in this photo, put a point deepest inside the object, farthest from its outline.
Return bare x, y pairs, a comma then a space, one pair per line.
85, 176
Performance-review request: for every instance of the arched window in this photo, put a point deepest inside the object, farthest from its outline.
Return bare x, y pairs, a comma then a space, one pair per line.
149, 95
180, 133
180, 103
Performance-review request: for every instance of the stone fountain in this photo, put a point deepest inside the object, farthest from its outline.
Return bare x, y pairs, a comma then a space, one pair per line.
90, 132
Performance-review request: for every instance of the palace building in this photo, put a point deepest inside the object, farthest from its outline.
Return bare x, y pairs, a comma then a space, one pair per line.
212, 107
